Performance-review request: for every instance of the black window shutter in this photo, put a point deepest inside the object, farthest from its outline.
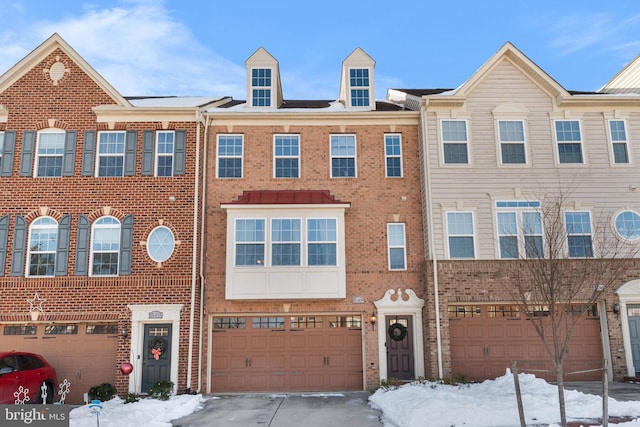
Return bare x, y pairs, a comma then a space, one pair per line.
148, 141
89, 153
126, 245
28, 148
62, 251
130, 153
180, 152
19, 246
6, 165
69, 157
82, 246
4, 235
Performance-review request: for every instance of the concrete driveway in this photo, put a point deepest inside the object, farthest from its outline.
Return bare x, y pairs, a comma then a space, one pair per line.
290, 410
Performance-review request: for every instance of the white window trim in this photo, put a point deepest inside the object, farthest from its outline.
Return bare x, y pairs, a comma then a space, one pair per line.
275, 157
557, 146
300, 242
270, 87
173, 239
355, 156
158, 155
264, 242
443, 142
99, 156
520, 235
369, 88
92, 252
524, 143
403, 246
218, 156
566, 229
473, 235
626, 142
386, 156
29, 252
37, 155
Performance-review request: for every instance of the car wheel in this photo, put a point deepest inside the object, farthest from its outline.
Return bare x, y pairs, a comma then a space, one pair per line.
49, 395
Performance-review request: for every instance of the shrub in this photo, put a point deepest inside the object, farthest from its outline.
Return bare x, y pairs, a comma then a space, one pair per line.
161, 390
103, 392
131, 398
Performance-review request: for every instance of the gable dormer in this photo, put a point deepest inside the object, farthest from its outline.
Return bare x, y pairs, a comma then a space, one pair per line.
356, 85
263, 80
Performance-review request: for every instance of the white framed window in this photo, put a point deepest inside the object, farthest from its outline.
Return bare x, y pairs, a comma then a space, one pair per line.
110, 158
519, 229
250, 242
393, 155
286, 241
50, 153
619, 142
322, 241
569, 141
43, 243
343, 156
230, 149
160, 244
359, 87
627, 225
165, 143
579, 234
455, 142
460, 235
105, 246
261, 87
396, 246
286, 156
512, 142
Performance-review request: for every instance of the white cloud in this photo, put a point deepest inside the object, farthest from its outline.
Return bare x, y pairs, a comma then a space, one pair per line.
139, 49
603, 31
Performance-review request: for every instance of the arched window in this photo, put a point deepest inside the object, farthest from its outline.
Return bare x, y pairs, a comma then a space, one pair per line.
43, 242
105, 246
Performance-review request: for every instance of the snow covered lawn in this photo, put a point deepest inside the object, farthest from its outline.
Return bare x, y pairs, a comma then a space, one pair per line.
491, 403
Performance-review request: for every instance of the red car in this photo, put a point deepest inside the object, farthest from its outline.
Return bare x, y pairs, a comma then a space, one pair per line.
26, 370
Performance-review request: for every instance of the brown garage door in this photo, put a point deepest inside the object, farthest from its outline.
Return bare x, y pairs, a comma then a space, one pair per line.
83, 354
286, 353
486, 338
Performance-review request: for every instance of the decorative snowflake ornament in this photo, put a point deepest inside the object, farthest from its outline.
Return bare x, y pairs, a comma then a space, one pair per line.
22, 395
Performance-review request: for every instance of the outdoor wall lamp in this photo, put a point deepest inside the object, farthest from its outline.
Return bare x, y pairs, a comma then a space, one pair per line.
125, 333
616, 308
373, 321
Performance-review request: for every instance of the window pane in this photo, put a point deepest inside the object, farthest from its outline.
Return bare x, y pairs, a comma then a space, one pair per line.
454, 130
570, 153
507, 223
618, 132
396, 258
42, 264
160, 244
322, 254
460, 223
455, 153
230, 156
393, 154
285, 254
50, 152
105, 264
111, 166
461, 247
578, 222
568, 130
580, 246
531, 223
250, 254
511, 131
509, 247
323, 229
620, 154
513, 153
533, 246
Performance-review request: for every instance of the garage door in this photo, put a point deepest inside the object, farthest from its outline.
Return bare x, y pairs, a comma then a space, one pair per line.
84, 354
486, 338
286, 353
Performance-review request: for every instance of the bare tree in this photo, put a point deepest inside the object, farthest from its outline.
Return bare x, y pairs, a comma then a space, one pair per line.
566, 262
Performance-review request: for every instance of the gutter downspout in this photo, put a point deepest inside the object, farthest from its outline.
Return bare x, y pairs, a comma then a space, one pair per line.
202, 245
429, 202
194, 255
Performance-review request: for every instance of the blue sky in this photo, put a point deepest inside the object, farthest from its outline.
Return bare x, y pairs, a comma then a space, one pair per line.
198, 47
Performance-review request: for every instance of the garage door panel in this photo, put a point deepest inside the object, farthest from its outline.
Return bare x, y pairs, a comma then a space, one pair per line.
515, 338
311, 356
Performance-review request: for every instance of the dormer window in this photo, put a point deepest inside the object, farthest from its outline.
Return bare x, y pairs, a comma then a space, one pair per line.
261, 87
359, 87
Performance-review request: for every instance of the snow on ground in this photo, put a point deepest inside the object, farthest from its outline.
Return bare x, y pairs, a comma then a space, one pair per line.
144, 413
491, 403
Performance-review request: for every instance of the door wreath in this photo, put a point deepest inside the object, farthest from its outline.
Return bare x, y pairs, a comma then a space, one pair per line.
397, 331
157, 347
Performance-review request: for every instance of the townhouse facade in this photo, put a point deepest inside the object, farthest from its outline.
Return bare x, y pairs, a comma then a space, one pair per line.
493, 150
269, 244
314, 237
99, 225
